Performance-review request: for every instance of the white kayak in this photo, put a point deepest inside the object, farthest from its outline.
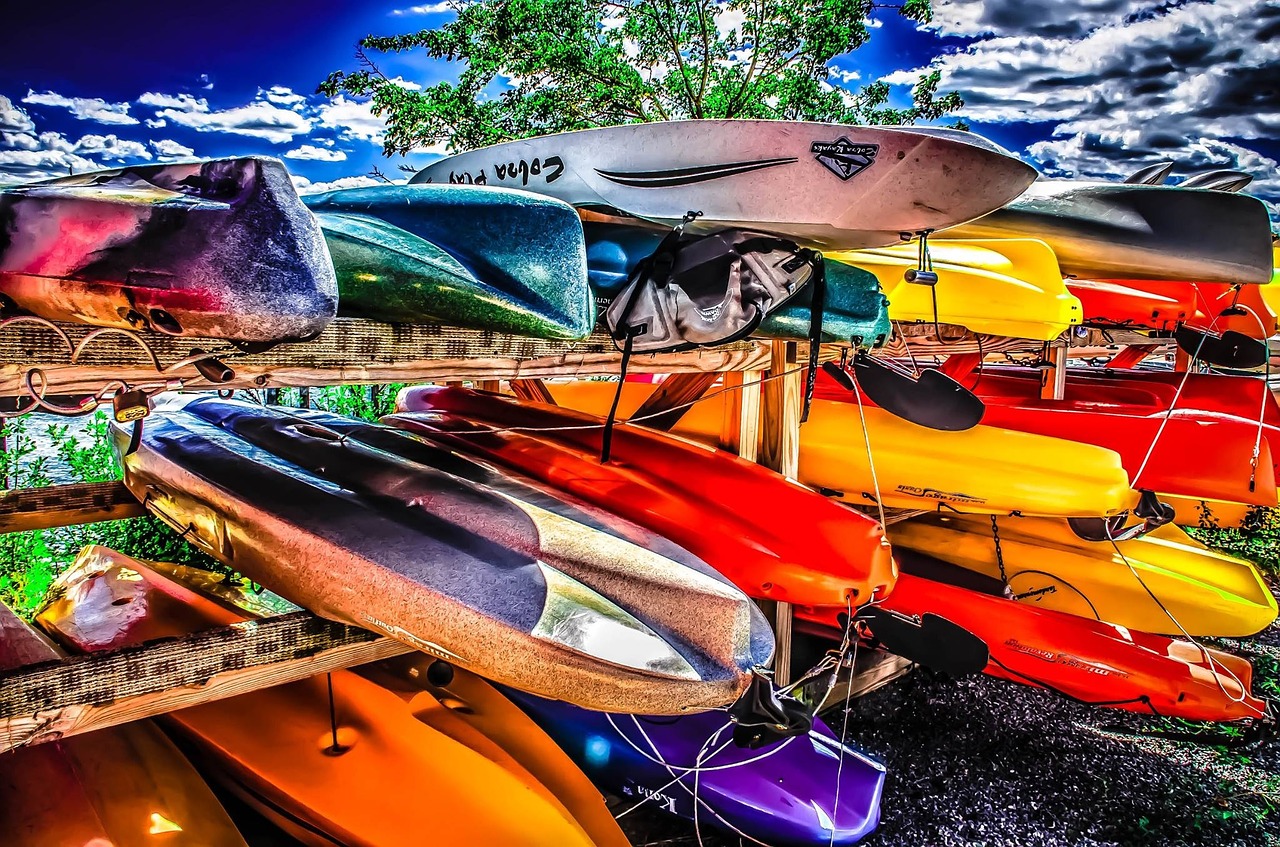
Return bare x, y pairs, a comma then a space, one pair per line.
826, 185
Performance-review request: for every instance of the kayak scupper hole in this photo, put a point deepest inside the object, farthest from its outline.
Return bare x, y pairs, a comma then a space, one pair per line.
347, 737
165, 322
767, 587
132, 318
456, 705
121, 601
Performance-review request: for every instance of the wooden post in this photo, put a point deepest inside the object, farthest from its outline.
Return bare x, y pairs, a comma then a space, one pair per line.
304, 397
494, 385
780, 451
1181, 360
1053, 381
271, 396
740, 425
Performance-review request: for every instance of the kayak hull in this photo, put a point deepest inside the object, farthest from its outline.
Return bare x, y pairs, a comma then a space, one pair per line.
778, 542
1007, 287
483, 578
126, 786
274, 747
501, 260
1102, 230
220, 249
827, 185
1195, 589
1088, 661
795, 796
984, 470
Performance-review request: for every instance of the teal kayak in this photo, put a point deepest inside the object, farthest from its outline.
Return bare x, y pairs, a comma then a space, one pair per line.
856, 311
486, 258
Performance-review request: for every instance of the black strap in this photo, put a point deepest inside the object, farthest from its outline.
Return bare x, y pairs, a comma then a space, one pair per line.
817, 307
135, 438
606, 441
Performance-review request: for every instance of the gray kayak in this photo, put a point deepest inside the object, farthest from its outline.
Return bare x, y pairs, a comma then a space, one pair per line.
216, 249
1106, 230
499, 575
826, 185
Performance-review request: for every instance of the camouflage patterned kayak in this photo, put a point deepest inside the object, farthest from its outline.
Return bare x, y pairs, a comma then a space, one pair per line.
494, 259
218, 249
855, 309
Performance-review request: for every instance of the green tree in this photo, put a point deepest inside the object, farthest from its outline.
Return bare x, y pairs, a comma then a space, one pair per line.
530, 67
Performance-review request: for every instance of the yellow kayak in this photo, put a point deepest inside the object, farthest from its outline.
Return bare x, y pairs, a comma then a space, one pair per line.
466, 708
1208, 593
126, 786
1221, 514
1009, 286
984, 470
396, 775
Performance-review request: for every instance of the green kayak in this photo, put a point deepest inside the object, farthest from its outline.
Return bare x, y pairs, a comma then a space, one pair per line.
486, 258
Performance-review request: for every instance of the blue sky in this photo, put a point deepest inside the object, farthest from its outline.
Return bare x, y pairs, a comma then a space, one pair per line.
1077, 87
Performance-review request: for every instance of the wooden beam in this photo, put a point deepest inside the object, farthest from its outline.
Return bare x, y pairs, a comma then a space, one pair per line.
669, 401
533, 390
350, 352
52, 700
873, 669
66, 505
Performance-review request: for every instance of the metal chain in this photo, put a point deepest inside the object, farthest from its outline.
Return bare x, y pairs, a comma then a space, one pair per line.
995, 534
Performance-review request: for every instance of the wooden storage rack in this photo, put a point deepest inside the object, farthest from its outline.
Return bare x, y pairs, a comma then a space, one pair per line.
55, 699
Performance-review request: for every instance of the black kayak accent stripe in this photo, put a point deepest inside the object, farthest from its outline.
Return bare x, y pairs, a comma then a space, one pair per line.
689, 176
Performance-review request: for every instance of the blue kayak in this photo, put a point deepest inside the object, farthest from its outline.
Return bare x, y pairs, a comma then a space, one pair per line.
784, 794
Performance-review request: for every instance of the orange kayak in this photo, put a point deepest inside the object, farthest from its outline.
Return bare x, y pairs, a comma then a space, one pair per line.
465, 707
382, 775
126, 786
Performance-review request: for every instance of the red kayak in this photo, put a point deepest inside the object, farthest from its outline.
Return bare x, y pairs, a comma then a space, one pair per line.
1162, 305
1205, 450
776, 540
1090, 661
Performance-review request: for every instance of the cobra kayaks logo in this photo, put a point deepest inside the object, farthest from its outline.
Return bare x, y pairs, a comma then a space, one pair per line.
688, 176
844, 158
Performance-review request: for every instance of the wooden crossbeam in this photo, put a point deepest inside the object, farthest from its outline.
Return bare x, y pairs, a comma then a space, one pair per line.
665, 407
532, 390
52, 700
66, 505
351, 351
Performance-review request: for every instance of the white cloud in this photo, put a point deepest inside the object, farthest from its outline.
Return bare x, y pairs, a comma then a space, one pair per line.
258, 119
282, 95
112, 147
727, 20
317, 154
872, 23
1124, 83
29, 165
168, 149
352, 119
156, 123
18, 141
1058, 17
173, 101
306, 186
845, 76
85, 108
426, 9
14, 118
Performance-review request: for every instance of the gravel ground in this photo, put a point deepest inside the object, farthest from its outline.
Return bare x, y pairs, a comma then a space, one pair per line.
979, 761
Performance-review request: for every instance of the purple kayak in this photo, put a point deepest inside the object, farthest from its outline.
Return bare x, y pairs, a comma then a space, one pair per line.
783, 794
